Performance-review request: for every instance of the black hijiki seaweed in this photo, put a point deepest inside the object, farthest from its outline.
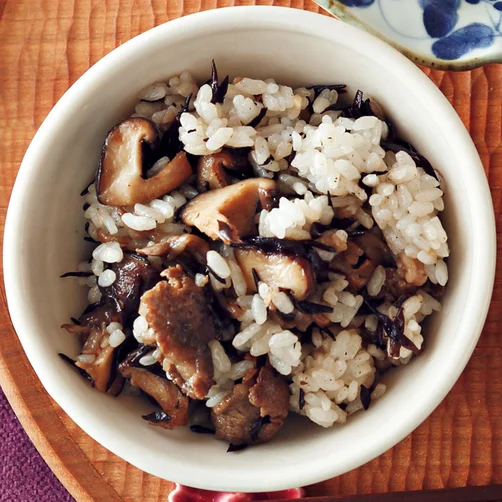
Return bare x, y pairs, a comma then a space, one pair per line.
236, 447
82, 372
321, 246
85, 191
200, 429
170, 143
256, 428
394, 328
157, 417
343, 223
92, 306
219, 90
274, 245
221, 319
256, 121
301, 399
365, 397
287, 317
76, 274
312, 308
357, 233
256, 278
75, 321
209, 270
327, 332
91, 240
340, 88
134, 356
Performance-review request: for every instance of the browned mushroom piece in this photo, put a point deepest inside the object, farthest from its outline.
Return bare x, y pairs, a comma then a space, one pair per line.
124, 240
174, 246
120, 181
349, 263
100, 369
212, 169
134, 275
177, 311
255, 411
278, 270
301, 321
169, 397
211, 172
228, 213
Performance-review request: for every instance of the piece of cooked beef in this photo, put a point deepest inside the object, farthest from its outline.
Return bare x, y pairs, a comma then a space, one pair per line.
234, 416
169, 397
177, 311
255, 411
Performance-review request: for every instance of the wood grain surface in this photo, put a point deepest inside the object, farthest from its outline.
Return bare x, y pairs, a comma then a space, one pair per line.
45, 46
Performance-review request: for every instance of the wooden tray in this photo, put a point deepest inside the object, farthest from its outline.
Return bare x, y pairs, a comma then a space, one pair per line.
46, 46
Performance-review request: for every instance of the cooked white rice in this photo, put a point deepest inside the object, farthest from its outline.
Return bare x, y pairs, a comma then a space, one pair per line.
321, 158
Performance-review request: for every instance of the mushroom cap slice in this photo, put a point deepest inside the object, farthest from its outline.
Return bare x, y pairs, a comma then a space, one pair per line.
211, 169
120, 179
175, 245
278, 270
228, 213
211, 173
169, 397
101, 370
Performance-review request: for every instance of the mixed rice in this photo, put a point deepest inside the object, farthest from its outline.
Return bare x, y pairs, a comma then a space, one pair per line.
258, 249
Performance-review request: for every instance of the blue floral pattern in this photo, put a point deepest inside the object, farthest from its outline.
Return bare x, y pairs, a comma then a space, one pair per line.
450, 39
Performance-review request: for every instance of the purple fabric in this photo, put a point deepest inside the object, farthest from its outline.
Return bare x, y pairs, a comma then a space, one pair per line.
24, 476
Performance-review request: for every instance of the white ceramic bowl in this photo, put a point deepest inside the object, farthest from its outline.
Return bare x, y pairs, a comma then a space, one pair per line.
44, 230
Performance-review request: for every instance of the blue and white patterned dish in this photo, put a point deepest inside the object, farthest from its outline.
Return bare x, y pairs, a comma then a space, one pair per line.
446, 34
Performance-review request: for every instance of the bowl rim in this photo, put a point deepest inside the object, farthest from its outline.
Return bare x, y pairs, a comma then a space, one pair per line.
281, 19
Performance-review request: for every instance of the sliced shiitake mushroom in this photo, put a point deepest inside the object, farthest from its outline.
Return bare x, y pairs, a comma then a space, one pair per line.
174, 246
120, 181
278, 270
211, 170
173, 402
100, 370
228, 213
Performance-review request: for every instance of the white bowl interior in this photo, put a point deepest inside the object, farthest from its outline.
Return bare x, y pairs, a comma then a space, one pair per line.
45, 229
